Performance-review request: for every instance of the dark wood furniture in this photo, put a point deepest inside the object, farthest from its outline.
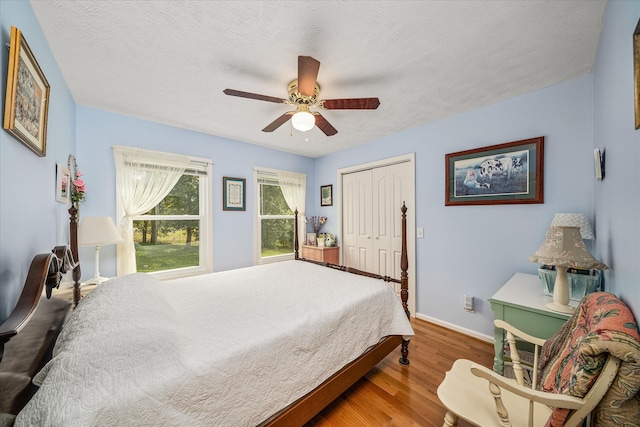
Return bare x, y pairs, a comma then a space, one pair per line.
45, 270
30, 331
330, 255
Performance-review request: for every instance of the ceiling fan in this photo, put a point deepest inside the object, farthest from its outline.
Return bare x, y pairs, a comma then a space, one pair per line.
304, 92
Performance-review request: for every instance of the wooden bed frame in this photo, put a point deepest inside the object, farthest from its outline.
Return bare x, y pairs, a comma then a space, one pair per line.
310, 404
46, 270
404, 276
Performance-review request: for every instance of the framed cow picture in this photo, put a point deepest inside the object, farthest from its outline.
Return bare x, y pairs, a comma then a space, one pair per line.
507, 173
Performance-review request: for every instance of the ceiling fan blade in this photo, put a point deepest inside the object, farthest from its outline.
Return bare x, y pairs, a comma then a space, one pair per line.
324, 125
241, 94
351, 104
307, 74
278, 122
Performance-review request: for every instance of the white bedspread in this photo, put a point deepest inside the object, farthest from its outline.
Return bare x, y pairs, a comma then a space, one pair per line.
224, 349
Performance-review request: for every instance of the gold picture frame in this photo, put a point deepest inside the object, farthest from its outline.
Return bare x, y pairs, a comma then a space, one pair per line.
636, 70
27, 101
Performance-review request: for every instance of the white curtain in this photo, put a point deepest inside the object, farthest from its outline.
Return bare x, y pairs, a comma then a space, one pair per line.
143, 179
294, 189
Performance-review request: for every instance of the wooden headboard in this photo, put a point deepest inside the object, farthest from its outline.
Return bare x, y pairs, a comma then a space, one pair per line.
45, 271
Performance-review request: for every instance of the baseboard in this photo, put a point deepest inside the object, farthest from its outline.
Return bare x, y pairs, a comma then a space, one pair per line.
469, 332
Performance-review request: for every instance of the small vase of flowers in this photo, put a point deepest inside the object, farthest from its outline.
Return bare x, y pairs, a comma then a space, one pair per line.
77, 189
316, 222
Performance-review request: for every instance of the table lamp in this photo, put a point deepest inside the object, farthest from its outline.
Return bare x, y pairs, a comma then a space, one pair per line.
563, 248
575, 220
98, 231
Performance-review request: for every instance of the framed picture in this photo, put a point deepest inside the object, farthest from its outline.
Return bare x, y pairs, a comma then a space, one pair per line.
233, 198
311, 238
326, 195
636, 70
63, 182
498, 174
27, 101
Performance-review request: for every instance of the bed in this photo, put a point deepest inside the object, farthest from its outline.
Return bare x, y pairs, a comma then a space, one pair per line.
266, 345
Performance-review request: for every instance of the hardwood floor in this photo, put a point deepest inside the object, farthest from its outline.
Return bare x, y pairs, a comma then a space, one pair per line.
395, 395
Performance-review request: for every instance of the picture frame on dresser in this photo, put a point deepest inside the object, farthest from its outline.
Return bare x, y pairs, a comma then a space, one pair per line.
26, 105
509, 173
311, 239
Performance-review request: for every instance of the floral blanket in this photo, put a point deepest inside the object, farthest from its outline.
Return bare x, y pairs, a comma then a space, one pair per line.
572, 359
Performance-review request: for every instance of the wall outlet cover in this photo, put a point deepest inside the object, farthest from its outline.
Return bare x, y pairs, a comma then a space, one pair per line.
468, 302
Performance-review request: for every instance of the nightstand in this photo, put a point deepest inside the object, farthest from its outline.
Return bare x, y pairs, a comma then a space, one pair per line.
521, 303
321, 253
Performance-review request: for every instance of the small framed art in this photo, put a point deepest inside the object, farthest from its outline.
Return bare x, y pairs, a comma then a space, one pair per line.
326, 195
27, 101
233, 198
63, 181
311, 238
508, 173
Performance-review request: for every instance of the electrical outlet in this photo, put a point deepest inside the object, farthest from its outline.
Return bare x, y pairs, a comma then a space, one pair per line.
468, 302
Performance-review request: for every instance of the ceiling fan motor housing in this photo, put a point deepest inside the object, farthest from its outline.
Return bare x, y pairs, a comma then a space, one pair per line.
297, 98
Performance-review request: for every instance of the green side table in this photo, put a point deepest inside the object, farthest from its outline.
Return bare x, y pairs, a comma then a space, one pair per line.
521, 303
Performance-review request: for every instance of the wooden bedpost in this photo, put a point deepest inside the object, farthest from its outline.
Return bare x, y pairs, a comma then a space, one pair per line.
404, 283
73, 235
295, 235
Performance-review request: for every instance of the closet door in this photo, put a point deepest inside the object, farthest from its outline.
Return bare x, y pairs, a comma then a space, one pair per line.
371, 221
388, 194
357, 220
372, 225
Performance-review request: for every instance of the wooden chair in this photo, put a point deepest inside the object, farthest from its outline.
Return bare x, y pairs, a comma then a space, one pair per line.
483, 398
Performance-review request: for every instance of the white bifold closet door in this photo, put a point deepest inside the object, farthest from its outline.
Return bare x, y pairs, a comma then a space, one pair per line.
372, 227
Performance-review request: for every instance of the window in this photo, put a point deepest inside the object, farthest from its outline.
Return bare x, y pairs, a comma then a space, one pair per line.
169, 237
279, 194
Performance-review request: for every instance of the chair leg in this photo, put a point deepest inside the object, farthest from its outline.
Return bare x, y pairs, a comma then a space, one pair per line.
450, 419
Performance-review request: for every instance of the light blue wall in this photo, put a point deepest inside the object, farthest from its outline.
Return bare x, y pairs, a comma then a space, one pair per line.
466, 249
617, 197
98, 131
31, 221
475, 249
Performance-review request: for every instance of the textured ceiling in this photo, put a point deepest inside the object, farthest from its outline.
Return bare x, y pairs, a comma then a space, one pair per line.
169, 61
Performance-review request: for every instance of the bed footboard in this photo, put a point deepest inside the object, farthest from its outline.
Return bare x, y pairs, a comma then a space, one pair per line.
309, 405
404, 266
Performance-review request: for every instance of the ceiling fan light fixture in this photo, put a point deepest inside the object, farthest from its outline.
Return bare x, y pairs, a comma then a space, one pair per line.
303, 121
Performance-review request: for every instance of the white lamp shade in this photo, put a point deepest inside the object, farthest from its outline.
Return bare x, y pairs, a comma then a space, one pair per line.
303, 121
574, 220
98, 231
